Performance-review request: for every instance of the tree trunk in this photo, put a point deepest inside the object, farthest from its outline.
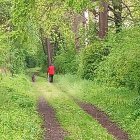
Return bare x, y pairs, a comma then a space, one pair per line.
43, 41
117, 11
49, 50
86, 25
47, 47
77, 19
103, 20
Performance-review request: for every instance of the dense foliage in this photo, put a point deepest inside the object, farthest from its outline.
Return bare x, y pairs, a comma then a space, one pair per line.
26, 24
65, 61
90, 58
122, 66
32, 33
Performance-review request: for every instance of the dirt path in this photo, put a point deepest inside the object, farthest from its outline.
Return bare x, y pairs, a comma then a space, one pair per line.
51, 125
53, 129
104, 120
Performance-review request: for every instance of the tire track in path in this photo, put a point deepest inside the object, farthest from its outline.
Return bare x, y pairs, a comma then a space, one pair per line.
53, 130
104, 120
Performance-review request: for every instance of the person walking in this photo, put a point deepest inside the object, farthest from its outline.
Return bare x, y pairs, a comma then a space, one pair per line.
51, 72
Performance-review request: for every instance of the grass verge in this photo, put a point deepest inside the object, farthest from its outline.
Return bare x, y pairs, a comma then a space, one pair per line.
121, 104
19, 119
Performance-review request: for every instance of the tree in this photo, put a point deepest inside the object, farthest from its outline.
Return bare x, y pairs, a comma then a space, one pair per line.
117, 11
103, 19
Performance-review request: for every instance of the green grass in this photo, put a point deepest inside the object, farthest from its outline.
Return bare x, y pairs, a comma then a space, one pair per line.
19, 119
121, 104
78, 124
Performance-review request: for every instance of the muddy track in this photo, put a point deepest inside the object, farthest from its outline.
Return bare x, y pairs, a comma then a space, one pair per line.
104, 120
53, 130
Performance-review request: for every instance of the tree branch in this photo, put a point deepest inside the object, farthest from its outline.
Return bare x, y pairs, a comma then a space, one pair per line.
128, 10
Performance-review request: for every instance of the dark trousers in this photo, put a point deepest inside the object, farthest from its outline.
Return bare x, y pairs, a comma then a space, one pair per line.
50, 78
33, 78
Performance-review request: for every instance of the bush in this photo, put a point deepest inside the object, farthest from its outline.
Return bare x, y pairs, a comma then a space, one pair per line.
122, 66
31, 62
90, 57
65, 60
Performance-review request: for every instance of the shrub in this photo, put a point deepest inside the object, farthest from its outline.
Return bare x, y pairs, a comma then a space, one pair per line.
65, 60
122, 66
90, 57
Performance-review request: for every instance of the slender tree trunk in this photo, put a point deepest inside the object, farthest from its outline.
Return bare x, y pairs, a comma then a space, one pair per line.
103, 20
43, 41
86, 25
77, 19
47, 47
75, 27
117, 6
49, 50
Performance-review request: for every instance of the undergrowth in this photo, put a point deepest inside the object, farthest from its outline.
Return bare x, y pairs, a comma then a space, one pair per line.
18, 118
121, 68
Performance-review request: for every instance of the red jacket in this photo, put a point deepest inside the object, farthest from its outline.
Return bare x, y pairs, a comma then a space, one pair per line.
51, 70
